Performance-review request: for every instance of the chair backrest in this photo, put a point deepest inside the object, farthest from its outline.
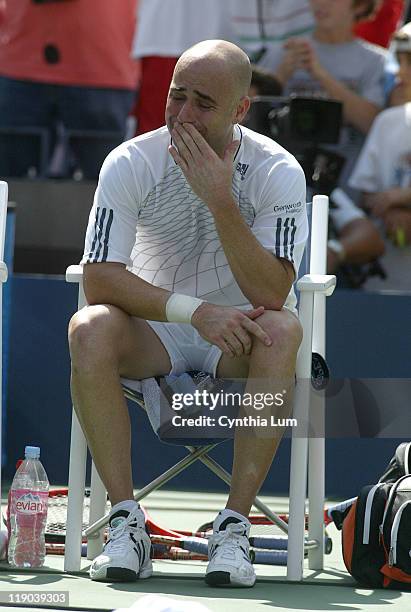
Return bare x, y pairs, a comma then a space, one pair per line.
316, 241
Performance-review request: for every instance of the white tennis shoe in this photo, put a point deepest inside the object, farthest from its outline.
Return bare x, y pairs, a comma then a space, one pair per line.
126, 555
229, 557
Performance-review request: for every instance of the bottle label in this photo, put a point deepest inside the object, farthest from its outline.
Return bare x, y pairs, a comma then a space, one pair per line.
30, 504
26, 503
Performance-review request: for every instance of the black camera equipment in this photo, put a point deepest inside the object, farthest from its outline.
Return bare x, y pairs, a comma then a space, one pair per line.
303, 125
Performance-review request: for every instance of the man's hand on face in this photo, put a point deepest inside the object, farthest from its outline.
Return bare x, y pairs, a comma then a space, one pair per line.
232, 330
209, 175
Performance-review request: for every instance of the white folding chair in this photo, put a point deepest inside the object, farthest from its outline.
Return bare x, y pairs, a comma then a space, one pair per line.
3, 278
313, 287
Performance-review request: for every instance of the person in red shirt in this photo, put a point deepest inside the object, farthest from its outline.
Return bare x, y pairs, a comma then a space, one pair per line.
380, 28
66, 64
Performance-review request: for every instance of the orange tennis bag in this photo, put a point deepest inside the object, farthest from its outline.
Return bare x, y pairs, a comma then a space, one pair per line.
376, 532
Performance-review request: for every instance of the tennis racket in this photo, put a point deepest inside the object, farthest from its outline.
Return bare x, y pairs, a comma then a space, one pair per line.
179, 544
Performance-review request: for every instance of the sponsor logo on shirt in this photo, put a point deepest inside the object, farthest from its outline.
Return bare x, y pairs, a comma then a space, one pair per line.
242, 169
295, 206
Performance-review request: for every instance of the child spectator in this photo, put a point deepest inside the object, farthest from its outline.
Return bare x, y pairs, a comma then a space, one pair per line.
333, 63
402, 91
383, 170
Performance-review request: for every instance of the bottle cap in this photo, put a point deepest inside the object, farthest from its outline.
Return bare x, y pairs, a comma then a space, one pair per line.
32, 452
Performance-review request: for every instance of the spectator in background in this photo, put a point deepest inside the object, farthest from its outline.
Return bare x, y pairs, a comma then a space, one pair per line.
380, 27
164, 31
354, 239
65, 62
332, 63
402, 91
259, 24
383, 171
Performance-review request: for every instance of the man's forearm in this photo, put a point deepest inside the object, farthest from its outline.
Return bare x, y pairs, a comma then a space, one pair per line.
403, 197
112, 283
357, 110
361, 241
264, 279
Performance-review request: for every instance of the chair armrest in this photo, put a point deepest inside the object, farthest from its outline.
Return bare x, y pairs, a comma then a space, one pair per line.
317, 283
4, 274
74, 274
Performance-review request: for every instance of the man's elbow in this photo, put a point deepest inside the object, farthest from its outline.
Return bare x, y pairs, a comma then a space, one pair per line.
271, 300
96, 282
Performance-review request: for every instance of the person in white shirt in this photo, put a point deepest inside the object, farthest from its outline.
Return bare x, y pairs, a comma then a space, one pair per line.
165, 29
383, 170
217, 214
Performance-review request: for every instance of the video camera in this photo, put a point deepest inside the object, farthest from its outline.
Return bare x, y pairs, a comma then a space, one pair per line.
303, 125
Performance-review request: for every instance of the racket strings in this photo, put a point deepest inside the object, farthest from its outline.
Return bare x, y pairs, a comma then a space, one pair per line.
57, 514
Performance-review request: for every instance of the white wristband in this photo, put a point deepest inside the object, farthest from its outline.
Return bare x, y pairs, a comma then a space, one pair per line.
180, 308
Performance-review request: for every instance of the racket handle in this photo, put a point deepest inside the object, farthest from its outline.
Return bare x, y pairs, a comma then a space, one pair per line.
196, 545
281, 543
269, 557
269, 542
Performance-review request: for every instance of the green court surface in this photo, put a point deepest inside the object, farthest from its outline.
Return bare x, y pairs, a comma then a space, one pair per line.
332, 589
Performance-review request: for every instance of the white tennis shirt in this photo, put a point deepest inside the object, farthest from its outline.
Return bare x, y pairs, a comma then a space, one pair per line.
146, 216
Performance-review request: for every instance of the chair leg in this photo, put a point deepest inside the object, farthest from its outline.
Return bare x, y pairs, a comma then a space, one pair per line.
98, 497
316, 494
298, 486
77, 480
299, 444
316, 448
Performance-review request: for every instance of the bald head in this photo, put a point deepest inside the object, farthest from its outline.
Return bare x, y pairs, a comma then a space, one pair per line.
209, 90
222, 58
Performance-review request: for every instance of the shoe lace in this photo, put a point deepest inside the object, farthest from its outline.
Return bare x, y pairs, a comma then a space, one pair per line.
121, 530
232, 536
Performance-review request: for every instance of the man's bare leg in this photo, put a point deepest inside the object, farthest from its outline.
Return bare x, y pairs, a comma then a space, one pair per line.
268, 368
105, 344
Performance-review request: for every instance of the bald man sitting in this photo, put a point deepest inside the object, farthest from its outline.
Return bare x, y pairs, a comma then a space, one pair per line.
193, 243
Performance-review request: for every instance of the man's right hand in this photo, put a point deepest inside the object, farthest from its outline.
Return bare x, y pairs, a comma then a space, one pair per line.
230, 329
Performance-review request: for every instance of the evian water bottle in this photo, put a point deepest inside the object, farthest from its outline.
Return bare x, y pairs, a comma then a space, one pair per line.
28, 512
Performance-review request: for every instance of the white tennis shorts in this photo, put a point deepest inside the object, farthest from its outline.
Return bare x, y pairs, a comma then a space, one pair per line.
186, 348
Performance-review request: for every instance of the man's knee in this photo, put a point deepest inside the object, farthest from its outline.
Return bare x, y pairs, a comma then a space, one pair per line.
94, 333
283, 327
